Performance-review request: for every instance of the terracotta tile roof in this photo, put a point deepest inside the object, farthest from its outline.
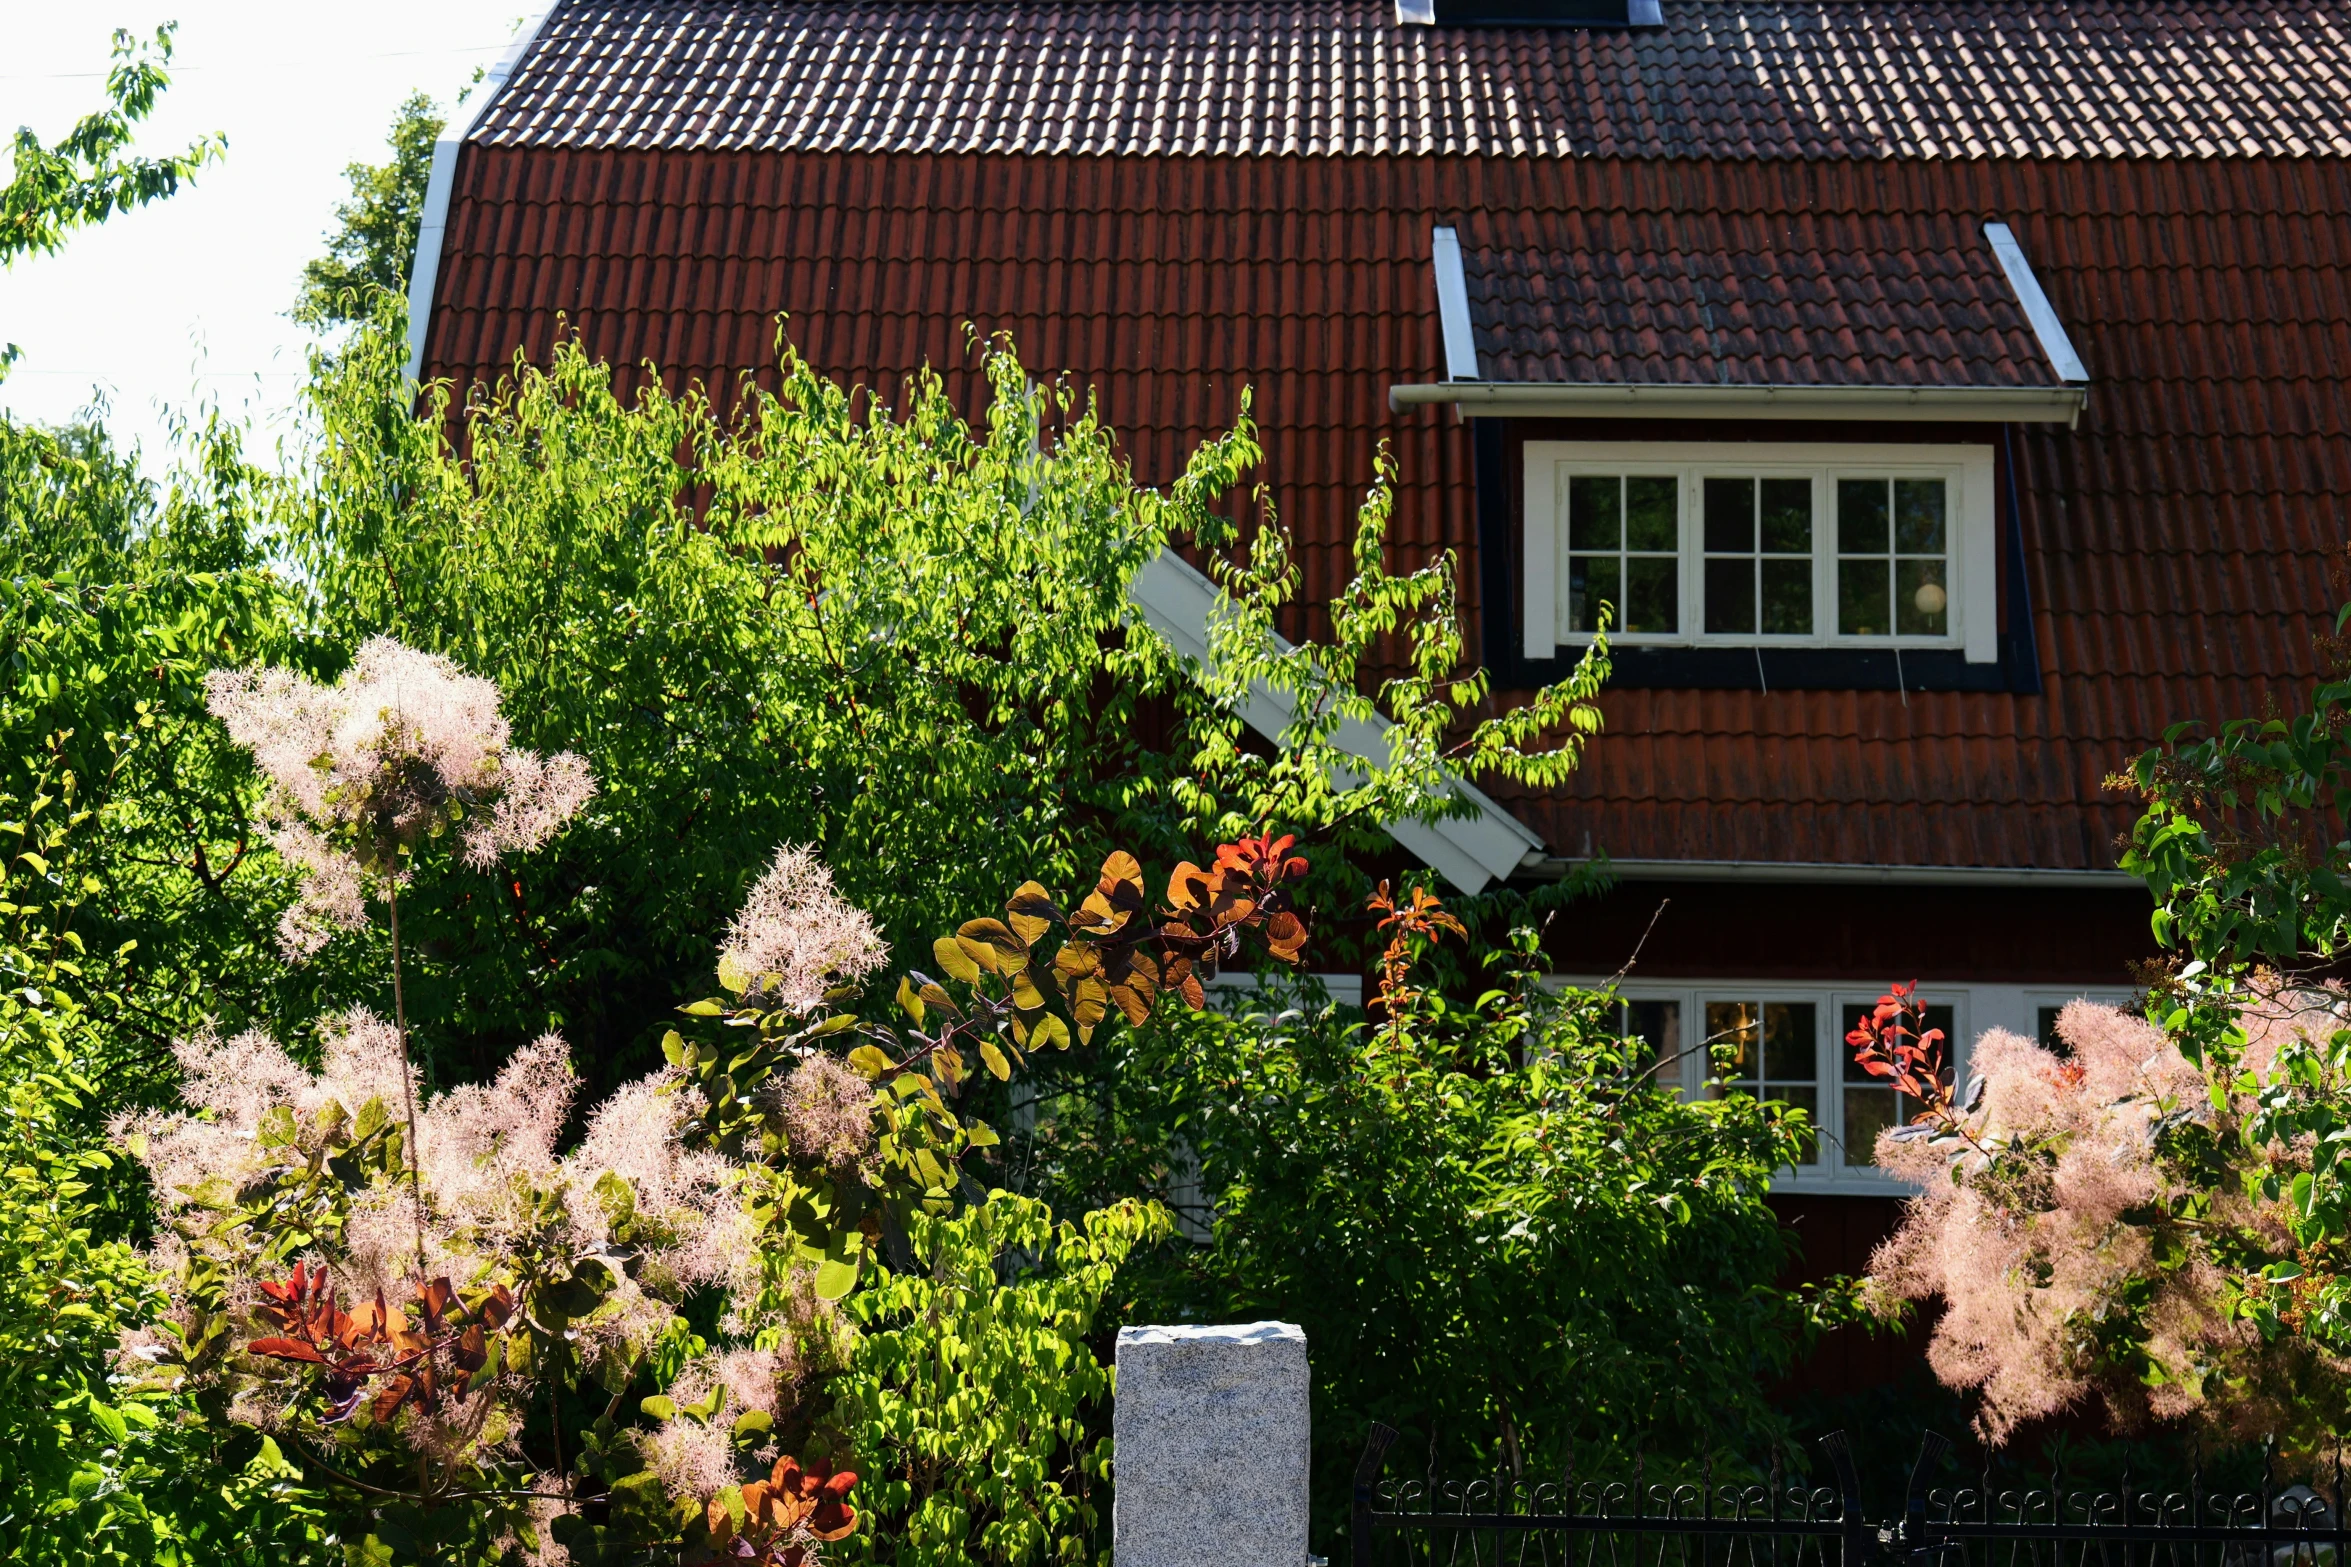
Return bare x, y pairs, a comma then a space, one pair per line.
1744, 298
2172, 540
1722, 79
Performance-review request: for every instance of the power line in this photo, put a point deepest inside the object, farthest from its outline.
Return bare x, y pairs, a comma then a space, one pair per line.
271, 65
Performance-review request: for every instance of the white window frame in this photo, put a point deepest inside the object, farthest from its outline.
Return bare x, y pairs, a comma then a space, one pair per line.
1976, 1009
1974, 553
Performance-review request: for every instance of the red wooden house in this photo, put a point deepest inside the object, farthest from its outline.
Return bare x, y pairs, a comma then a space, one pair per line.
1947, 394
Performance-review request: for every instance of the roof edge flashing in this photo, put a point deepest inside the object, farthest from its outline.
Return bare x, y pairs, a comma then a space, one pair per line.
1461, 349
1668, 400
1538, 866
2042, 315
1530, 13
424, 268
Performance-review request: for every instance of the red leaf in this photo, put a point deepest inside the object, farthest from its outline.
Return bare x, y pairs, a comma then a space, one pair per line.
1878, 1068
286, 1349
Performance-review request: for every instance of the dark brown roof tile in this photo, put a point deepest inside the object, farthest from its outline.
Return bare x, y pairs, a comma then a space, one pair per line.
1731, 79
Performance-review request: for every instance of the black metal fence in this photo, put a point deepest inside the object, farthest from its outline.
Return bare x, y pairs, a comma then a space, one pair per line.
1637, 1520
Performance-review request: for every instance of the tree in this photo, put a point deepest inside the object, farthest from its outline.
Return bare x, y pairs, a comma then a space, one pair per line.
903, 640
90, 175
374, 248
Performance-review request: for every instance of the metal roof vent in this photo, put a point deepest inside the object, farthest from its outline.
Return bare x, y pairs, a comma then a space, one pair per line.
1529, 13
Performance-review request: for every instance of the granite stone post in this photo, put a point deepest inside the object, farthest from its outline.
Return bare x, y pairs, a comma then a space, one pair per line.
1209, 1434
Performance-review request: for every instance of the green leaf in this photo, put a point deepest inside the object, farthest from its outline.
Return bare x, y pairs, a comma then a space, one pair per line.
958, 962
659, 1407
110, 1421
836, 1278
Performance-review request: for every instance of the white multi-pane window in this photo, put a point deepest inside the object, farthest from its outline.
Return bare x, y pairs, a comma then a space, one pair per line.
1786, 1042
1749, 544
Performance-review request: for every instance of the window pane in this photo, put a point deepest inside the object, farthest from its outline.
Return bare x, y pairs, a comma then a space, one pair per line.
1733, 1024
1650, 591
1868, 1111
1658, 1026
1789, 1040
1787, 516
1922, 603
1861, 516
1787, 598
1594, 514
1652, 512
1861, 597
1918, 516
1730, 593
1592, 581
1730, 516
2047, 1031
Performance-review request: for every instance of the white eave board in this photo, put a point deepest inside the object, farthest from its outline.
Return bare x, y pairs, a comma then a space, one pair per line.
1470, 852
433, 227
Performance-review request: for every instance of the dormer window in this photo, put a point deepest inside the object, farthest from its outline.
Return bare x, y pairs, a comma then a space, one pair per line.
1750, 544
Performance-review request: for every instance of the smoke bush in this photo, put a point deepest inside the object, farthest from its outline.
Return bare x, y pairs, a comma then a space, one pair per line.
2098, 1225
403, 748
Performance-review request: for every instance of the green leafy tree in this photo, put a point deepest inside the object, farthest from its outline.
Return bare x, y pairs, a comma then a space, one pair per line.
374, 246
113, 608
92, 173
94, 1470
899, 638
973, 1402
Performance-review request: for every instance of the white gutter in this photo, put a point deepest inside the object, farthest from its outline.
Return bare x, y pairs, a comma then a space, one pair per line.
1470, 852
1582, 400
1461, 348
1843, 874
425, 271
2037, 309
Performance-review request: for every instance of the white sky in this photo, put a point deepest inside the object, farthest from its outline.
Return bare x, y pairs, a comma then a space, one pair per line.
186, 300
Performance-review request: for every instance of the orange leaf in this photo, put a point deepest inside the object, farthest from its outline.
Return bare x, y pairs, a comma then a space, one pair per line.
1187, 887
391, 1396
1133, 1003
1285, 933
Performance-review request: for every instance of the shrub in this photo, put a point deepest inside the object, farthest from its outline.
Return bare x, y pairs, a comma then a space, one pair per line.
1502, 1234
973, 1400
